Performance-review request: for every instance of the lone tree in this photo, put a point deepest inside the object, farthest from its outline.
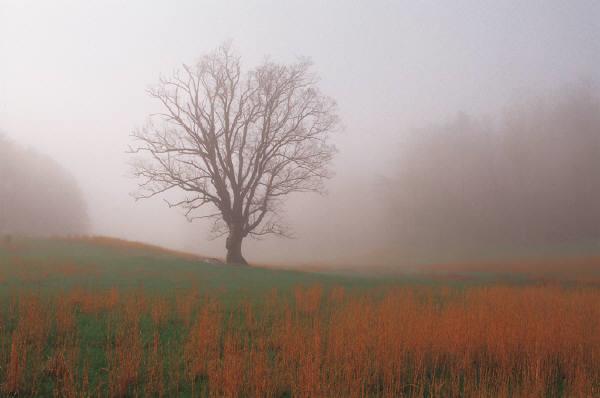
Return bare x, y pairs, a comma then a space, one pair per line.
237, 142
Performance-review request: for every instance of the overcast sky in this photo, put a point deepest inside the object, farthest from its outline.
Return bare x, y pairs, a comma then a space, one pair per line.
73, 76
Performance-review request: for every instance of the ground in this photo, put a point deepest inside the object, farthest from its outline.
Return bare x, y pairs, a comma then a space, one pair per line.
104, 317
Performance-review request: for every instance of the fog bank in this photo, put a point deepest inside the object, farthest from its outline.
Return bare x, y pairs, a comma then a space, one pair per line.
528, 183
37, 196
73, 80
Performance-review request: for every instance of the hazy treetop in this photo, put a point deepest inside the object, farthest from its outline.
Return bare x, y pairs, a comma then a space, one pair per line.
37, 196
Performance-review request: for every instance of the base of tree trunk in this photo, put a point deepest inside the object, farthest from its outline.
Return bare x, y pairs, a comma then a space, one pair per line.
235, 259
234, 252
233, 244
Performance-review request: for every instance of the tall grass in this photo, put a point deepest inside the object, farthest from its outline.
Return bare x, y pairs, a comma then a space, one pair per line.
402, 341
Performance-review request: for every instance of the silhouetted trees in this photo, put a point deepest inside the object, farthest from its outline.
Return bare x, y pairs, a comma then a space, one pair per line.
37, 196
236, 143
531, 181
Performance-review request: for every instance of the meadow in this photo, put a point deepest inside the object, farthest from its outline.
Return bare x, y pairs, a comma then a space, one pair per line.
101, 317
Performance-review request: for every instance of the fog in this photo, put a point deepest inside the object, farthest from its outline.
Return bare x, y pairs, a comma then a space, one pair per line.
483, 94
528, 184
37, 197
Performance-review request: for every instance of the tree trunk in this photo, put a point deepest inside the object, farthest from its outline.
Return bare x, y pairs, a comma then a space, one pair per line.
233, 244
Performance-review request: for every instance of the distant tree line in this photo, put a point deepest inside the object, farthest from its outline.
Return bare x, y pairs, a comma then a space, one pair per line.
37, 196
531, 180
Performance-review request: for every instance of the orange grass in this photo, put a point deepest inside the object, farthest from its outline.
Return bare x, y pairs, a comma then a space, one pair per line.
495, 341
583, 270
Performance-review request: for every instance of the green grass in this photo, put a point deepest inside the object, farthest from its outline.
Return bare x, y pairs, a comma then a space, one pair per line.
48, 265
47, 268
63, 264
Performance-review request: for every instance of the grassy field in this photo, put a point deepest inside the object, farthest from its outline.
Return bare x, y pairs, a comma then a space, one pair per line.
102, 317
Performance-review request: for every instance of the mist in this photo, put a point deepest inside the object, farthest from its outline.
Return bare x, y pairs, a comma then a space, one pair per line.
469, 127
38, 197
527, 184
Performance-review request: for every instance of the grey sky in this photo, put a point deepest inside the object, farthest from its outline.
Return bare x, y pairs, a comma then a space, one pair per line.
73, 76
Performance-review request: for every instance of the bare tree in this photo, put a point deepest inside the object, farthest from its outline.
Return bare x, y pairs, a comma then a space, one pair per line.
236, 142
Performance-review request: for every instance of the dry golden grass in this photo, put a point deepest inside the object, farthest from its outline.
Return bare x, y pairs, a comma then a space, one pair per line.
583, 270
496, 341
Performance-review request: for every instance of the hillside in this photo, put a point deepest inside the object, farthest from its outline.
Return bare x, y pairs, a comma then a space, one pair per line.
105, 317
99, 263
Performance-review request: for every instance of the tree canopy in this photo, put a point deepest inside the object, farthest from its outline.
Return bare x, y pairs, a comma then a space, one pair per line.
236, 143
